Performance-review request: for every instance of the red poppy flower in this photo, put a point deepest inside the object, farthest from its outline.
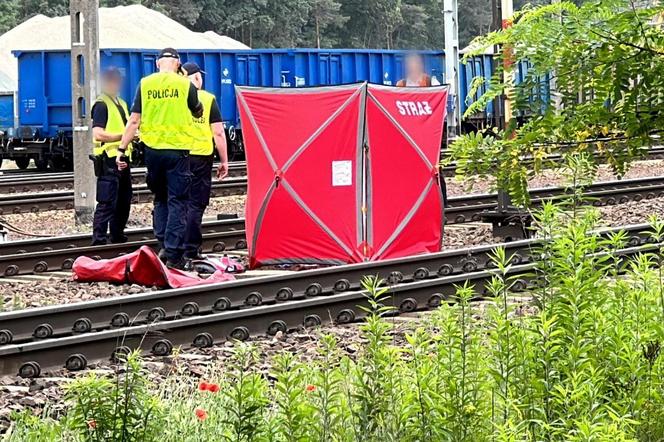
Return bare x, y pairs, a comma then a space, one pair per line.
201, 414
92, 424
203, 386
213, 388
311, 387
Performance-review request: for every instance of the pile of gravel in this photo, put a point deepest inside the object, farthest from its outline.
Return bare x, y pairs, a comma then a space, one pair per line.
142, 28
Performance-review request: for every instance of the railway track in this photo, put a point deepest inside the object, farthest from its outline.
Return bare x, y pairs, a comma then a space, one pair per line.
72, 335
469, 208
460, 209
58, 253
64, 200
34, 182
16, 182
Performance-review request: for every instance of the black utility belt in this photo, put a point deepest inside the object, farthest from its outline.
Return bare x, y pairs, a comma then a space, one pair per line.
99, 163
169, 151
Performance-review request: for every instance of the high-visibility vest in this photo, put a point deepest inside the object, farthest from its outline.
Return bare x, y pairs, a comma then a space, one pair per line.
114, 125
201, 132
165, 115
425, 81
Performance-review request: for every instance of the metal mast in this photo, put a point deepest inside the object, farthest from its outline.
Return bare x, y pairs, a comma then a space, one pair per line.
84, 16
507, 11
509, 222
451, 20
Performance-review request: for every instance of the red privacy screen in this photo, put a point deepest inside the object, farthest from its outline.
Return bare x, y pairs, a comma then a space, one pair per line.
404, 129
341, 174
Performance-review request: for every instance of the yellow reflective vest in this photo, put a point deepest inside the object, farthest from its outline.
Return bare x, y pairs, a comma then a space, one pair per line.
165, 116
114, 125
201, 132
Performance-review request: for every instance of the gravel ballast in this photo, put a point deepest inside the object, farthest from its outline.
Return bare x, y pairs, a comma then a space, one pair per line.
61, 222
60, 290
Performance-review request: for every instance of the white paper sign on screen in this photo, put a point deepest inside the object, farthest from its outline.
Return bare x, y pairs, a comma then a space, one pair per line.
342, 173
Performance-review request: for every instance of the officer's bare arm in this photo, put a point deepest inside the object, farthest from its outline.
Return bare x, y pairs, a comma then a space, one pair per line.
220, 140
130, 130
101, 135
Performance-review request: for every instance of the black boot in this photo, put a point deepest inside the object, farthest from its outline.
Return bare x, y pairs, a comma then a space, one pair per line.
178, 265
120, 239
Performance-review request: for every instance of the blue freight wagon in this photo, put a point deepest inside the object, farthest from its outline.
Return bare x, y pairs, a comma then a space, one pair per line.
479, 66
44, 92
6, 119
6, 112
483, 66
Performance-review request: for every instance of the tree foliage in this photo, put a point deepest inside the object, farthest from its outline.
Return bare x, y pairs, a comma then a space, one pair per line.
8, 15
406, 24
604, 60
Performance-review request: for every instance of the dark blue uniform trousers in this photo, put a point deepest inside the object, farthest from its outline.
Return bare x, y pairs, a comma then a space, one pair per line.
199, 199
169, 179
114, 193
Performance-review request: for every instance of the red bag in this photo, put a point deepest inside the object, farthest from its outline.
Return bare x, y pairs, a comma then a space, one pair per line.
141, 267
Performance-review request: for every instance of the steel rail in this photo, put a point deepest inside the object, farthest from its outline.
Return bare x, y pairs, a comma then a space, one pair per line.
59, 252
63, 259
25, 203
469, 208
45, 244
160, 337
652, 153
62, 320
11, 184
74, 352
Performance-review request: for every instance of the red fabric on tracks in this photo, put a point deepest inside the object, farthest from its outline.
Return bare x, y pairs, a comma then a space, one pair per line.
141, 267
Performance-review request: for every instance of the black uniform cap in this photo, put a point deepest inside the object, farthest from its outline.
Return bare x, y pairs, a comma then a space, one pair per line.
169, 53
192, 68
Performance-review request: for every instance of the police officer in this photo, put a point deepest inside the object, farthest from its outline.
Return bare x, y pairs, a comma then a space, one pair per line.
164, 104
206, 133
114, 190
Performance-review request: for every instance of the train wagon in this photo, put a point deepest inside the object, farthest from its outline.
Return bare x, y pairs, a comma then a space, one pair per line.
6, 118
483, 66
479, 66
44, 92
